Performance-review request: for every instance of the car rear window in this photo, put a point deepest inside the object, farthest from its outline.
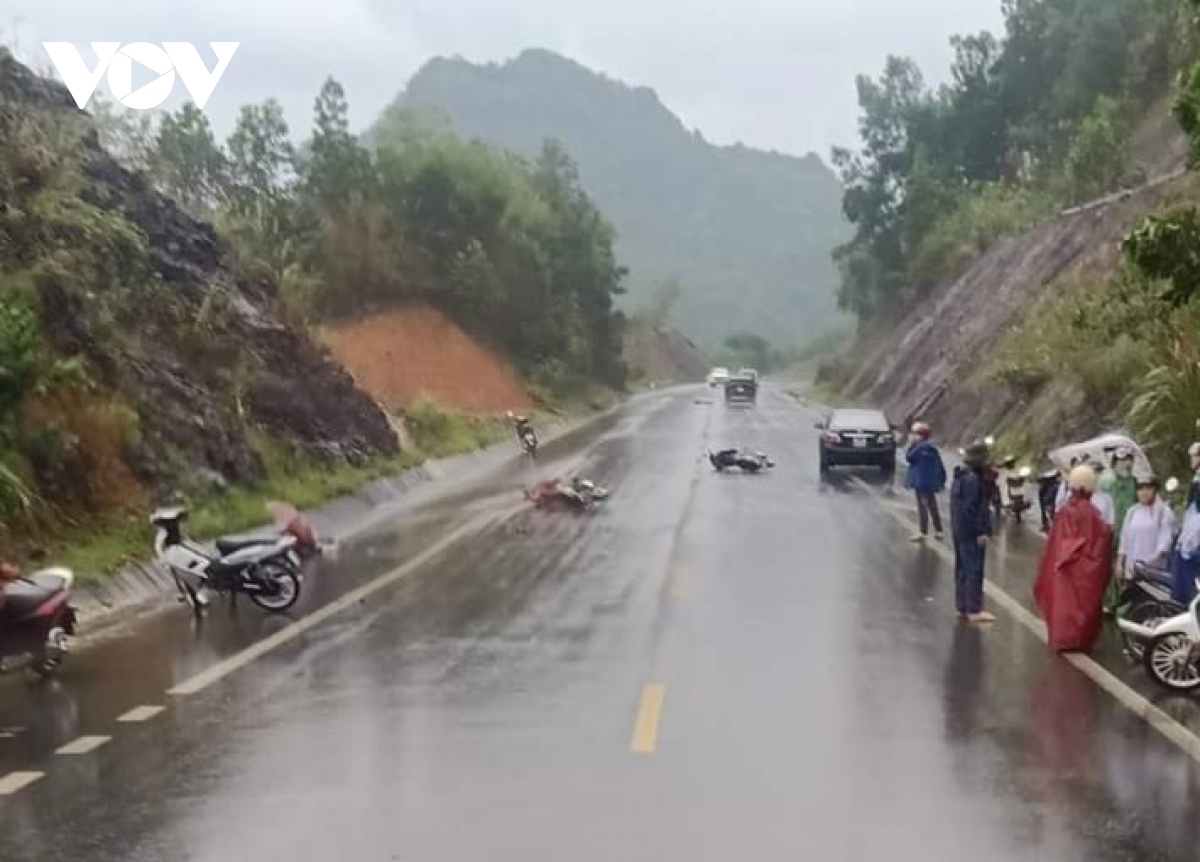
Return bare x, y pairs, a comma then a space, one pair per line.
858, 420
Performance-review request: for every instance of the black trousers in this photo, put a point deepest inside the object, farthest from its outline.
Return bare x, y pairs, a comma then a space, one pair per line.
927, 508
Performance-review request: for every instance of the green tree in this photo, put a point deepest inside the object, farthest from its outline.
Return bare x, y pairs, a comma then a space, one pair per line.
1097, 159
261, 157
338, 167
188, 163
1166, 247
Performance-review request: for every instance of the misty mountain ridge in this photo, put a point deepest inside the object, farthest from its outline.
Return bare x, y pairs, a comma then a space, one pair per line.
747, 232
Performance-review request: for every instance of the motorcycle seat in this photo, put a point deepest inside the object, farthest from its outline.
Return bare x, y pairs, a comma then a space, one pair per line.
22, 598
227, 545
1153, 575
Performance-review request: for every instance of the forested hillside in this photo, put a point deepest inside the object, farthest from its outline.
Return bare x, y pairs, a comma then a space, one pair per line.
1016, 282
746, 233
1035, 119
158, 287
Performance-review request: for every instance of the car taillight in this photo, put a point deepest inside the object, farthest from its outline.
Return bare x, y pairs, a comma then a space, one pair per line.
832, 437
886, 438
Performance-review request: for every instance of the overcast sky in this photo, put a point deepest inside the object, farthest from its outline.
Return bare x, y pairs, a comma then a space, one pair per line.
776, 74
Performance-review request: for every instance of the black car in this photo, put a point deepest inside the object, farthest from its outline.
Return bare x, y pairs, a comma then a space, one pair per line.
741, 390
857, 438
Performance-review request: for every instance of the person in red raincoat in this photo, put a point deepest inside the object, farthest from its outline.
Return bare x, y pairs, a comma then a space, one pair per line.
1075, 569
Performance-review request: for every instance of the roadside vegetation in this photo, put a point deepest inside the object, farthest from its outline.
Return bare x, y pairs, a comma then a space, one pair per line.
1032, 122
511, 249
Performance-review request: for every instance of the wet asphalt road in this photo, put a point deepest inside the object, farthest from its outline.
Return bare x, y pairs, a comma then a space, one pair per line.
713, 667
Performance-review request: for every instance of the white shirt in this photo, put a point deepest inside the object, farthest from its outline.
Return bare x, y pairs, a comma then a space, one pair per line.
1103, 503
1148, 534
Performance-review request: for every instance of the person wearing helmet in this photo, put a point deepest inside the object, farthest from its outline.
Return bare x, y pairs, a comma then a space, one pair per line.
926, 478
971, 523
1075, 568
1148, 533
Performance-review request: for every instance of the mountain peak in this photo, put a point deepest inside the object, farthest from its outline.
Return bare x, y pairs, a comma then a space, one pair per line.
747, 232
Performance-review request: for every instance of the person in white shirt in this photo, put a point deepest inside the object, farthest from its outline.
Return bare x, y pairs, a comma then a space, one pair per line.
1149, 531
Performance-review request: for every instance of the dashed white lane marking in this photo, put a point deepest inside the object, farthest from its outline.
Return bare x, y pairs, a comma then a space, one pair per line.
1171, 729
84, 745
14, 781
140, 714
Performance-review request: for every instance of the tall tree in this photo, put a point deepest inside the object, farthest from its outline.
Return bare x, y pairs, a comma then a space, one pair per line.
188, 163
338, 166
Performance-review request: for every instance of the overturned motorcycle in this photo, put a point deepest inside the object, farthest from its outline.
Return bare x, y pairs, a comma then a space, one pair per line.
747, 462
36, 621
266, 568
577, 494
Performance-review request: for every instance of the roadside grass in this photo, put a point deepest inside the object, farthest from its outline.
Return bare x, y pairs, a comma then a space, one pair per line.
95, 550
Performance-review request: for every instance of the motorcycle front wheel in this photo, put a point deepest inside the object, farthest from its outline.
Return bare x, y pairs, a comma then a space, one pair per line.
1147, 613
282, 588
1169, 662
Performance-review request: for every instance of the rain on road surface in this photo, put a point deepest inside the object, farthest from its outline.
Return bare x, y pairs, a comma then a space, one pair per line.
711, 667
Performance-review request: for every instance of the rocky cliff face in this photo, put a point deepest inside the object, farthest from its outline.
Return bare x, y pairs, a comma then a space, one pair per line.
199, 351
934, 364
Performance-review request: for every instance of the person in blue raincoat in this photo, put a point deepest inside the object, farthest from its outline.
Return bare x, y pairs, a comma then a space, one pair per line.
926, 478
971, 522
1186, 566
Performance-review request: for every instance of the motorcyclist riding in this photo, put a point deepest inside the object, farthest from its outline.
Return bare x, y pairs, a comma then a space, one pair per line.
526, 437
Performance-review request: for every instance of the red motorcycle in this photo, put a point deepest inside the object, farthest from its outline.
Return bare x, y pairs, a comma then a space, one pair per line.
36, 620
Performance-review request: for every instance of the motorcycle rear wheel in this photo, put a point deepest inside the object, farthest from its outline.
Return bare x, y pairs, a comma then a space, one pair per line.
286, 592
1148, 613
1169, 662
48, 659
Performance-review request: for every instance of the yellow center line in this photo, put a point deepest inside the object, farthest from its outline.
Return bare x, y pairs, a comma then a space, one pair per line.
645, 729
677, 583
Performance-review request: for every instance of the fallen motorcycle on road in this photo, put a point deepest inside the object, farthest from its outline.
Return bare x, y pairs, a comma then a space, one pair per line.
36, 621
747, 462
267, 569
579, 495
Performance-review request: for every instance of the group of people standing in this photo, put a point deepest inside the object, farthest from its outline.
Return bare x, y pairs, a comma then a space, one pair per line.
971, 527
1106, 522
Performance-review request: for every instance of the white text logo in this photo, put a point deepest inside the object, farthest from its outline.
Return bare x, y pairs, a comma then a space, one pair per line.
163, 61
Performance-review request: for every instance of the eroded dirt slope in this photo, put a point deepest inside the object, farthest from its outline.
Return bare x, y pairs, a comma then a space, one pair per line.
399, 355
932, 365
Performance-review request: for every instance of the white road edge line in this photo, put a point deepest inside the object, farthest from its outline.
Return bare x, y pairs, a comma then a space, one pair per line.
14, 781
84, 745
1171, 729
289, 633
